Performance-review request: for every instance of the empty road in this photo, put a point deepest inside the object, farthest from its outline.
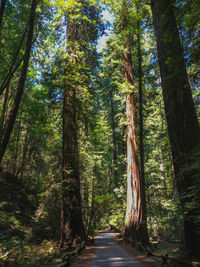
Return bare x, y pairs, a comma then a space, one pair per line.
109, 254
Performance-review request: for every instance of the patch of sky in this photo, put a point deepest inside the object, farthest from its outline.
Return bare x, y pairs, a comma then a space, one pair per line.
11, 2
108, 19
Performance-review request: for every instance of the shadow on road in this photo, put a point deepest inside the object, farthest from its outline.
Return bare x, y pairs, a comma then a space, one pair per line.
109, 254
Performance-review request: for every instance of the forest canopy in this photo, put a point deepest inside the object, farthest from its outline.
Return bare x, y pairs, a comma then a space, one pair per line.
96, 139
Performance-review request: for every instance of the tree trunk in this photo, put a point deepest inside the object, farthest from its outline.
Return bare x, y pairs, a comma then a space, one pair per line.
92, 210
20, 171
134, 211
161, 155
114, 137
22, 79
5, 104
183, 127
16, 154
14, 66
162, 170
141, 135
71, 214
4, 111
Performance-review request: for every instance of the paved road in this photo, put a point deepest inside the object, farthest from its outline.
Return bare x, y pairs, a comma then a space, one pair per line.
109, 254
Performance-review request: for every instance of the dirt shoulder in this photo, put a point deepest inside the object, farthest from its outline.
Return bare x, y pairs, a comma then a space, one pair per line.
136, 254
85, 259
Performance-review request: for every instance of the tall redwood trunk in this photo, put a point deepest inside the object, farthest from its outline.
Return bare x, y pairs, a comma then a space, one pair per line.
134, 211
71, 215
13, 112
183, 127
135, 225
141, 135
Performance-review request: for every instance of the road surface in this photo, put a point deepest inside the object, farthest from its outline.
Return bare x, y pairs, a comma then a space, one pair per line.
109, 254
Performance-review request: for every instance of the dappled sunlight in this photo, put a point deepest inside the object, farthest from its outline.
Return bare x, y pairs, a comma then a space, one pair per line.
99, 129
110, 254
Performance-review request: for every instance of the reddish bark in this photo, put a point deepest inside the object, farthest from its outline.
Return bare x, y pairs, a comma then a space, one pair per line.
134, 211
71, 214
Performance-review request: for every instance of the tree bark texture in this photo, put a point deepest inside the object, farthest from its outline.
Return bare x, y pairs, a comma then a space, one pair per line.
183, 127
71, 213
134, 210
13, 112
141, 136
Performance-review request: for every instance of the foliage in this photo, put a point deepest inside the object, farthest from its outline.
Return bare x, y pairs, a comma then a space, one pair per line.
31, 172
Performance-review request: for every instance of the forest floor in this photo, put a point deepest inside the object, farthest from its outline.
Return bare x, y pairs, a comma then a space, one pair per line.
108, 249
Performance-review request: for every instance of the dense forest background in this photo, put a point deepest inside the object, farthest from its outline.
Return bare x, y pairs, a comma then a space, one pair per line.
99, 140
